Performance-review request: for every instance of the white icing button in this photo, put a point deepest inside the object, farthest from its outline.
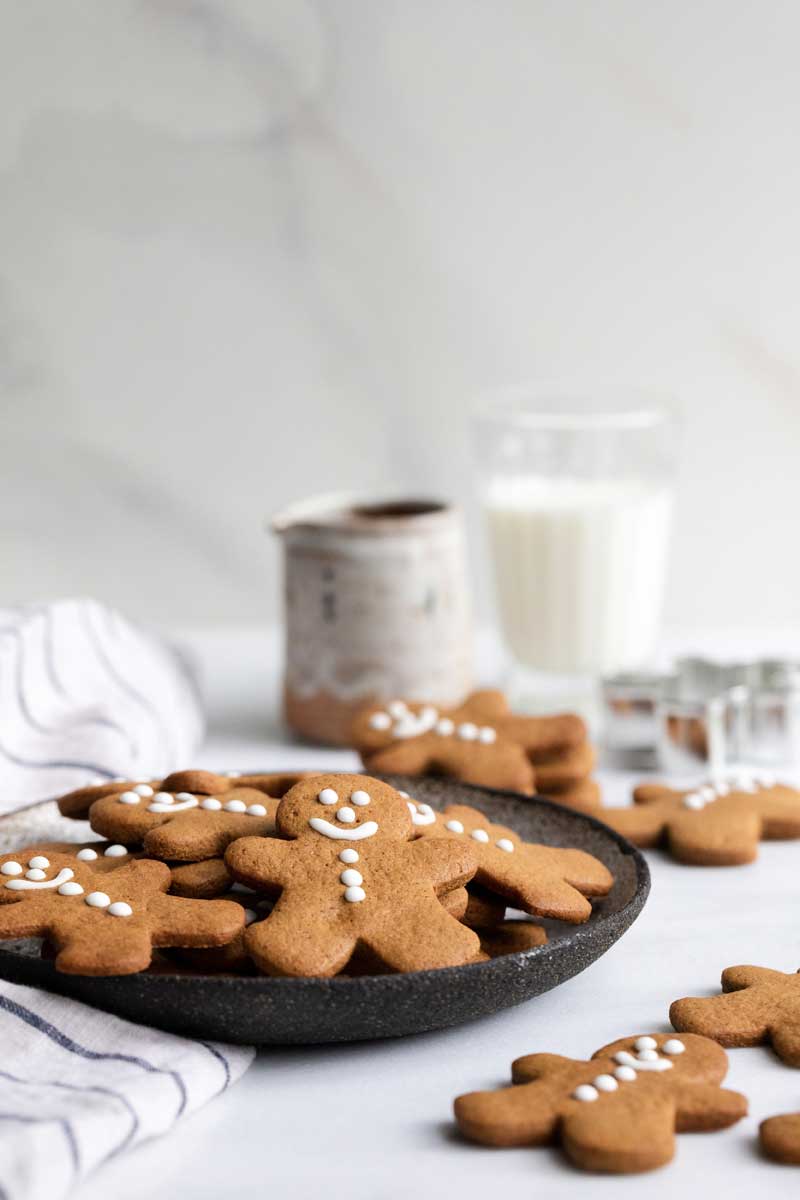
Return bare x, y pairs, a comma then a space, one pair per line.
37, 873
38, 860
398, 708
143, 789
70, 889
505, 844
673, 1046
351, 878
129, 798
722, 789
487, 735
348, 856
624, 1074
235, 806
182, 797
647, 1055
454, 826
250, 915
444, 726
164, 798
380, 720
605, 1083
328, 796
480, 835
211, 804
98, 900
694, 800
11, 868
468, 732
645, 1043
120, 909
355, 895
256, 810
115, 851
345, 815
585, 1091
87, 855
359, 798
708, 792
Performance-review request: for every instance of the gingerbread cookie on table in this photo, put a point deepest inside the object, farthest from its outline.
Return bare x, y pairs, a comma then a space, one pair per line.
350, 877
107, 922
715, 825
618, 1112
757, 1006
780, 1138
479, 741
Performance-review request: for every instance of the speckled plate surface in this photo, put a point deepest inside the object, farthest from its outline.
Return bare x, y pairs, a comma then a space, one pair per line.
266, 1011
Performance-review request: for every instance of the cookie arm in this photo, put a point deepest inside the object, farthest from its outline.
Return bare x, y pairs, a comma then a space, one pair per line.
644, 824
409, 757
261, 863
21, 919
446, 862
706, 1106
178, 921
736, 978
731, 1019
523, 1115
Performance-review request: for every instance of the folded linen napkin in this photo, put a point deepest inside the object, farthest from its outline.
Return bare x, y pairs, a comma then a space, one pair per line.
86, 696
81, 1086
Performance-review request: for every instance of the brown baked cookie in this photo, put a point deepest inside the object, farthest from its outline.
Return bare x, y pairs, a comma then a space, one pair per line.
544, 881
780, 1138
233, 957
757, 1005
478, 742
583, 797
101, 856
717, 825
559, 770
76, 804
510, 937
350, 877
617, 1113
205, 880
105, 923
193, 815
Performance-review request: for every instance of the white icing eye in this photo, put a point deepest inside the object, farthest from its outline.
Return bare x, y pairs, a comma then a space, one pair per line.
360, 798
647, 1055
645, 1043
624, 1074
128, 798
143, 789
211, 804
585, 1091
673, 1046
11, 868
487, 735
348, 856
250, 915
164, 798
444, 727
115, 851
351, 877
70, 889
256, 810
693, 800
505, 844
182, 797
120, 909
454, 826
468, 732
36, 874
345, 815
722, 789
97, 900
708, 792
480, 835
354, 895
39, 860
87, 855
605, 1083
232, 774
380, 721
235, 806
328, 796
397, 708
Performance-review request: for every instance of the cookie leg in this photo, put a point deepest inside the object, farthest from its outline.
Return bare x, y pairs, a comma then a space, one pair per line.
514, 1116
104, 953
706, 1106
288, 943
639, 1138
422, 938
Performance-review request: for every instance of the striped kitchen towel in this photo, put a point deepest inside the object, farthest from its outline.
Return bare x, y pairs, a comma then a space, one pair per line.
86, 696
82, 1086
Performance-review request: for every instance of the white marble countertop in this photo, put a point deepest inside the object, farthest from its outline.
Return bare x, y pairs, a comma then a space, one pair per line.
373, 1120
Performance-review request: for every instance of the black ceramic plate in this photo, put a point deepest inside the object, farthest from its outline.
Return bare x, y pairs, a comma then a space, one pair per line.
261, 1010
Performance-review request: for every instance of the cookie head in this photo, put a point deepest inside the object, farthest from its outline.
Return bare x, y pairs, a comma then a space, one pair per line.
344, 808
688, 1058
381, 725
24, 874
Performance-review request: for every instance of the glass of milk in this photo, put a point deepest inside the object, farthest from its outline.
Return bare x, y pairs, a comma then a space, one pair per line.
577, 486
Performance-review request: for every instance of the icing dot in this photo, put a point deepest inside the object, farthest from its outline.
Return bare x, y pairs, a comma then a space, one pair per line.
505, 844
708, 792
328, 796
351, 877
128, 798
673, 1046
624, 1074
348, 856
345, 815
97, 900
143, 789
647, 1055
454, 826
444, 726
693, 800
767, 781
120, 909
645, 1043
36, 874
250, 915
355, 895
480, 835
235, 806
468, 732
70, 889
115, 851
182, 797
87, 855
605, 1083
380, 720
211, 804
232, 774
487, 735
163, 798
585, 1091
256, 810
403, 794
359, 798
398, 708
11, 868
722, 789
39, 860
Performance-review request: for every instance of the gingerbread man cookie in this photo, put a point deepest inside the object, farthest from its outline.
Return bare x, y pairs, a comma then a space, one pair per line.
105, 923
545, 881
191, 815
716, 825
478, 742
757, 1005
617, 1113
349, 878
780, 1138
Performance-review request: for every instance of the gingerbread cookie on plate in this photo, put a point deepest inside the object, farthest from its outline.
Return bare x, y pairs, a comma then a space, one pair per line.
757, 1005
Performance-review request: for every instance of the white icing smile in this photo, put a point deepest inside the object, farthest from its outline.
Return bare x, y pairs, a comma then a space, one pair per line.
19, 885
421, 814
403, 722
367, 830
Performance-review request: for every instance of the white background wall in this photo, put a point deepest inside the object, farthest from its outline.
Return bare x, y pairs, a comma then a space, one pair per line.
253, 249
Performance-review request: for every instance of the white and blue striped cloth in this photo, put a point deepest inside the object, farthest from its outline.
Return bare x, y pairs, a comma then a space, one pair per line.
80, 1086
